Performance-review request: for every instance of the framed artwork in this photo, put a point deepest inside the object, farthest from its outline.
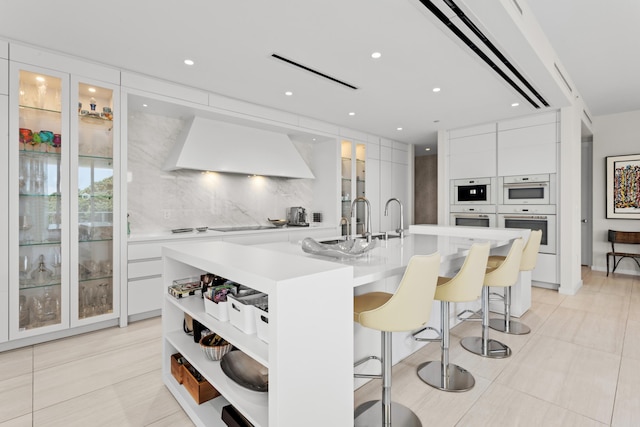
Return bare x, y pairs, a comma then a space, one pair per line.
623, 186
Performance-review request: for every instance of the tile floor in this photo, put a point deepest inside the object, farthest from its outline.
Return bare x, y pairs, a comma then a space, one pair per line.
578, 367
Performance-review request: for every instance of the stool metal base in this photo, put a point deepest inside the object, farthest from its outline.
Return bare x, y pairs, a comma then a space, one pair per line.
370, 414
458, 379
495, 349
515, 328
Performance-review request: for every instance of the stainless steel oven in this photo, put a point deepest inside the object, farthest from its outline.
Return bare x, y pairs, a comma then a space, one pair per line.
473, 216
532, 218
528, 189
472, 191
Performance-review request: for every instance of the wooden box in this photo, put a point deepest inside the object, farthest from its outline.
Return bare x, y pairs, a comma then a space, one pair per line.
176, 367
198, 387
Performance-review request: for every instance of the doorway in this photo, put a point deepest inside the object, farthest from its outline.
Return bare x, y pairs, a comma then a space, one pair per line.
586, 201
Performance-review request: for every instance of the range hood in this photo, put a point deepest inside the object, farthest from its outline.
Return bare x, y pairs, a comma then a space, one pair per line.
211, 145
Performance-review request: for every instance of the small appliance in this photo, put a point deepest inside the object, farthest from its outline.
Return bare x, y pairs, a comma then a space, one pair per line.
297, 217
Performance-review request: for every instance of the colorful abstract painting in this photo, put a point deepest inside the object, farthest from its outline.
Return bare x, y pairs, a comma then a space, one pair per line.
623, 186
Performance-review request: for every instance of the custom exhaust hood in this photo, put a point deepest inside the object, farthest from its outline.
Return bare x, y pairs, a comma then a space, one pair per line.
211, 145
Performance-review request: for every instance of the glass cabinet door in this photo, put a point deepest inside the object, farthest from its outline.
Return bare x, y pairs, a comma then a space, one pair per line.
346, 190
38, 296
353, 184
93, 298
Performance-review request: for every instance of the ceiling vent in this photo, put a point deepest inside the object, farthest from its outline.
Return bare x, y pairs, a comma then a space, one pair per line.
311, 70
480, 44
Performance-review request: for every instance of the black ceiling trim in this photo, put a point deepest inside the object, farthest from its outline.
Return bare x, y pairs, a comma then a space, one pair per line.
494, 49
311, 70
446, 21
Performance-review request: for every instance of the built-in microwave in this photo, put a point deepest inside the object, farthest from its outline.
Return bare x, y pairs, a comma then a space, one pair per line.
472, 191
527, 189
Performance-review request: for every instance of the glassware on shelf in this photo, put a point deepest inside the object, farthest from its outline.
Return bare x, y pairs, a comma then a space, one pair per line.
46, 306
41, 275
24, 312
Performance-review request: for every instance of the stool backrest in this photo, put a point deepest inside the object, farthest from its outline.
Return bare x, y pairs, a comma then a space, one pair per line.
410, 306
467, 284
507, 273
530, 251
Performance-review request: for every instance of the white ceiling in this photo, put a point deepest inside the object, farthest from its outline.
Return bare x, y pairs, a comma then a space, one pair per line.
231, 43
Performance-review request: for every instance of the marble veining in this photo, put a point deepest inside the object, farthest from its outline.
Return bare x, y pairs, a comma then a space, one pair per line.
163, 200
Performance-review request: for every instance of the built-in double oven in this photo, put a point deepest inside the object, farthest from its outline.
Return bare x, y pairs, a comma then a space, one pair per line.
473, 202
529, 201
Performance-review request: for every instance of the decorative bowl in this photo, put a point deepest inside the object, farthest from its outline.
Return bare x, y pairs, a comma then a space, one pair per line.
277, 222
341, 250
214, 346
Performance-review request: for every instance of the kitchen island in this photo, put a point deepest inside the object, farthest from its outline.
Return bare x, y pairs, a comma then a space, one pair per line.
311, 333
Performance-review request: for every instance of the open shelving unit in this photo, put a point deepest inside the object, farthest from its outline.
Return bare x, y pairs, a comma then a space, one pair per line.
303, 379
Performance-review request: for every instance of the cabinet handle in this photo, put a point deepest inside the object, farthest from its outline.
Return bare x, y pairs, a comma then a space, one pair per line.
234, 307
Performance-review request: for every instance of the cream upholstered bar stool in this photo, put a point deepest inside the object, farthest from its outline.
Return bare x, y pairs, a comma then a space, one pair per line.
504, 275
406, 310
527, 263
465, 286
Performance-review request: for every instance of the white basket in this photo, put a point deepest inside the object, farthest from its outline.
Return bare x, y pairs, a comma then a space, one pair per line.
262, 323
242, 313
219, 310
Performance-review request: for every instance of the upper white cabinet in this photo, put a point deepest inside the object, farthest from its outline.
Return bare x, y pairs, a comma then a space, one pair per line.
473, 156
4, 68
528, 149
394, 183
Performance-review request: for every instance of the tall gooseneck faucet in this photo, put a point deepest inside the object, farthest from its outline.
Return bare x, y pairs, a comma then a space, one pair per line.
367, 234
400, 230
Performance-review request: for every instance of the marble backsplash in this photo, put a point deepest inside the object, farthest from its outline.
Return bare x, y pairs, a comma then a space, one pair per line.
161, 200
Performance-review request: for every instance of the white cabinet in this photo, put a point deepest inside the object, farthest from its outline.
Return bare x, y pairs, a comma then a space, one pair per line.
528, 150
297, 286
394, 183
145, 289
62, 169
4, 222
4, 77
473, 156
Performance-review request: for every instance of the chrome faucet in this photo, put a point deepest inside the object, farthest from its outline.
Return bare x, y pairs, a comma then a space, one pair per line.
345, 220
367, 234
400, 230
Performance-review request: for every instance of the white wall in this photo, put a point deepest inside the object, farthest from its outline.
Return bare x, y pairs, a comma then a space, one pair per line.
613, 135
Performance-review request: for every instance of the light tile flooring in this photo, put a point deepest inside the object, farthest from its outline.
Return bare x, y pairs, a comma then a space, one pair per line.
578, 367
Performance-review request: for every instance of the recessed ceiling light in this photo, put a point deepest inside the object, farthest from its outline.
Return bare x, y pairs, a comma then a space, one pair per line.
92, 89
398, 128
144, 105
189, 61
376, 55
288, 93
352, 113
427, 149
436, 89
515, 104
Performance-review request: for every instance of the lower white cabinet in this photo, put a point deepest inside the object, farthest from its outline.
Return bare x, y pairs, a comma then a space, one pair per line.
310, 332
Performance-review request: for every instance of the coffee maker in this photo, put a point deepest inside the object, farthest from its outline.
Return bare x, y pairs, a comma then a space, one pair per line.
297, 217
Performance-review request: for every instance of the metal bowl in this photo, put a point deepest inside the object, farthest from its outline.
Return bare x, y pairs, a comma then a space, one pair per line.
245, 371
341, 250
277, 222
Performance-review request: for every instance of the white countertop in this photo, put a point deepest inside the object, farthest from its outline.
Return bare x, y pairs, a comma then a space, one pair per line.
168, 235
391, 257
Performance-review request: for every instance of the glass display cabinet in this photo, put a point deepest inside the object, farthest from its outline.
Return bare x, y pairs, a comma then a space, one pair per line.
38, 203
93, 208
353, 183
61, 201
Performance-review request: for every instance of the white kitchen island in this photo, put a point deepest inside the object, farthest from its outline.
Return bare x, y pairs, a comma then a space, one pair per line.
311, 331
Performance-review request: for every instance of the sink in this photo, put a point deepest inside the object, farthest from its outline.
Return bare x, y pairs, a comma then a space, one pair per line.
375, 236
338, 248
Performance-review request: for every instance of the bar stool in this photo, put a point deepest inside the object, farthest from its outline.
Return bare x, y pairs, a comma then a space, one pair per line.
528, 263
504, 275
406, 310
464, 286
